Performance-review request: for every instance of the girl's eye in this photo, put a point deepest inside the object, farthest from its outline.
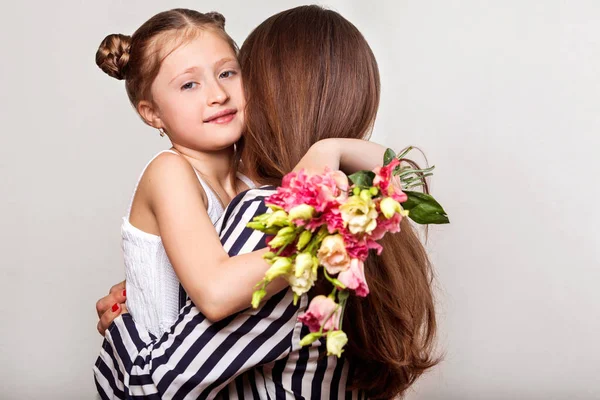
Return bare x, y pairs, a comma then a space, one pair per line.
227, 74
188, 86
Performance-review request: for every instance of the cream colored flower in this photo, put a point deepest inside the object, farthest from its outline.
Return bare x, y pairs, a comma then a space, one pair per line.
336, 340
332, 254
302, 284
359, 214
303, 261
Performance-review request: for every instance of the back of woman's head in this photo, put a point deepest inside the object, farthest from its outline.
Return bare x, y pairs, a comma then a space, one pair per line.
308, 75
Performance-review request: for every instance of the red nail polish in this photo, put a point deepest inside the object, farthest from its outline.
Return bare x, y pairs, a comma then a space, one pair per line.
115, 307
124, 293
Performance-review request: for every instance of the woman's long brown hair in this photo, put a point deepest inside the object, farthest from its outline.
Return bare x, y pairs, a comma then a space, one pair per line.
308, 75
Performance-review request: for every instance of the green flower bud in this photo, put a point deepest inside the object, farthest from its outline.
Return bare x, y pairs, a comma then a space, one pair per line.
311, 337
257, 297
259, 226
374, 191
303, 240
356, 191
303, 211
281, 266
261, 218
278, 218
365, 194
389, 207
271, 231
274, 207
284, 236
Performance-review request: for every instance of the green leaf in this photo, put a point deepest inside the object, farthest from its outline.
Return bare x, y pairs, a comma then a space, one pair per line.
363, 179
388, 156
424, 209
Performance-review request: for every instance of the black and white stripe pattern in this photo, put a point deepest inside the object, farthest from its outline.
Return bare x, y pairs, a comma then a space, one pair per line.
250, 355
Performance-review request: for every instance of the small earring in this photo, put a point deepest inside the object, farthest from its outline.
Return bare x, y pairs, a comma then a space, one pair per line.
162, 132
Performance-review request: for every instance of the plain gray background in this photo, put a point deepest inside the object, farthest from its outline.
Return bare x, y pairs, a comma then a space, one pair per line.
502, 95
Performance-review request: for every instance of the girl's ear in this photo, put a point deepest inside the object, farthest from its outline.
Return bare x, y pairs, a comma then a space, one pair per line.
149, 114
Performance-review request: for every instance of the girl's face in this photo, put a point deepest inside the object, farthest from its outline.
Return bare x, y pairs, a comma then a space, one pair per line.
197, 95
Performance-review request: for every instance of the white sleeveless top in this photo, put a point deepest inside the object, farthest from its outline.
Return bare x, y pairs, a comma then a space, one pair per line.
152, 286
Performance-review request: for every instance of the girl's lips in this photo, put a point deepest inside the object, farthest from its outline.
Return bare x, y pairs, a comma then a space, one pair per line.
222, 117
223, 120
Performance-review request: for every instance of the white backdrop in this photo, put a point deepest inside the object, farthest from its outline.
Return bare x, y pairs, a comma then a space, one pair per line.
503, 97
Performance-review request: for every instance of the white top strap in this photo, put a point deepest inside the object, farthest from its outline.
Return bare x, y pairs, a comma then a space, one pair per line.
246, 180
214, 209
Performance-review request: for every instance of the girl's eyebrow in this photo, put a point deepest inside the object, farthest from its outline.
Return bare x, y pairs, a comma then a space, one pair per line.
188, 70
223, 61
218, 64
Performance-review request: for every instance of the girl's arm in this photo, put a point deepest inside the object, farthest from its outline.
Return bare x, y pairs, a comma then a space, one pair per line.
220, 285
348, 155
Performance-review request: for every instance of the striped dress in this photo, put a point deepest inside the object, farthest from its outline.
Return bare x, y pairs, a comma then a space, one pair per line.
253, 354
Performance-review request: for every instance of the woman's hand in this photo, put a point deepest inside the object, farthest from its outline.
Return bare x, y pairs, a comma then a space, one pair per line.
111, 306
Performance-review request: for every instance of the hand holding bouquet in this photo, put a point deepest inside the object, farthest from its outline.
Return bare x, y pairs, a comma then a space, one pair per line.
327, 224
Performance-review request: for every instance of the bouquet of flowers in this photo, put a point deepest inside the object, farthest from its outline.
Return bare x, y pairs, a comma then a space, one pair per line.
327, 224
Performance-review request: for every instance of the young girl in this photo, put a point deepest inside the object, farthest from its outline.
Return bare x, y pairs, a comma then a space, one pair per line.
183, 78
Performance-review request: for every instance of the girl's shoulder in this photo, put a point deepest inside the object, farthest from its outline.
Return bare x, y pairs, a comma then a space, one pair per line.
169, 172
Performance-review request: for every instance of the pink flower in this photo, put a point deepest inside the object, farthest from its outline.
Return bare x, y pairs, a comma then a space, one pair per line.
383, 179
330, 217
356, 248
383, 175
373, 245
334, 221
318, 191
397, 195
385, 225
354, 278
322, 311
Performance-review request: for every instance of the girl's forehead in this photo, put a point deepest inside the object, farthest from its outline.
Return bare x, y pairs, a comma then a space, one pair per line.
201, 50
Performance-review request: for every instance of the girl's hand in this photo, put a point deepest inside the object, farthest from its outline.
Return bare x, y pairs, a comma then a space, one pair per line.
111, 306
347, 155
